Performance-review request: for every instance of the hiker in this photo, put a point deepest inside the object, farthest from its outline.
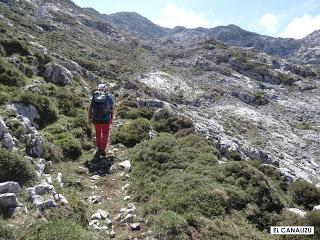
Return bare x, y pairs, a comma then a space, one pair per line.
101, 114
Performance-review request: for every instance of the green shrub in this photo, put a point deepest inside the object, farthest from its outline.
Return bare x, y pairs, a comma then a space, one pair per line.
132, 132
14, 46
130, 110
165, 121
6, 233
234, 226
70, 146
45, 107
169, 225
305, 193
182, 175
68, 103
13, 167
64, 229
16, 128
52, 152
10, 75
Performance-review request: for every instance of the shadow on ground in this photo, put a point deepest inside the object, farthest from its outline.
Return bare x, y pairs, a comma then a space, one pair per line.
100, 166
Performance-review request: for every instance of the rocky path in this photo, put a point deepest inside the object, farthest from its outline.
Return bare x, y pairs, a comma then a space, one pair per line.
116, 214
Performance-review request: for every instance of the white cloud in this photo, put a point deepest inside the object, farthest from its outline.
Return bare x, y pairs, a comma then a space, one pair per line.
172, 15
299, 27
270, 22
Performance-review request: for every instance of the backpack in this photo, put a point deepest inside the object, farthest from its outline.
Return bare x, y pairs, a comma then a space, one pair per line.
101, 107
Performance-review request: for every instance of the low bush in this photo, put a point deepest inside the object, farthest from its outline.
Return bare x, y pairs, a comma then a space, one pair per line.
68, 103
132, 132
64, 229
169, 225
130, 110
305, 193
6, 233
52, 152
45, 107
70, 146
165, 121
182, 174
16, 128
10, 75
14, 46
13, 167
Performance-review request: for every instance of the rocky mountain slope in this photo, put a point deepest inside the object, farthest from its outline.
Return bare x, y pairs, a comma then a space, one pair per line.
208, 136
305, 50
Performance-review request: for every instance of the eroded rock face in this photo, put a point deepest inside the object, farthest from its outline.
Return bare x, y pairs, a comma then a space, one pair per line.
58, 74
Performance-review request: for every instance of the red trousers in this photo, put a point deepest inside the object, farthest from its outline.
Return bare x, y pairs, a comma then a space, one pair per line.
102, 134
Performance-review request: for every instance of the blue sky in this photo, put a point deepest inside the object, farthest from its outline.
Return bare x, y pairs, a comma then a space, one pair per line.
278, 18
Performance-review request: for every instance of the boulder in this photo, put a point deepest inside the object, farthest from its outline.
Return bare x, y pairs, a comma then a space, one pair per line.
104, 214
10, 187
297, 211
59, 179
316, 208
126, 165
128, 218
60, 199
43, 188
40, 165
34, 145
135, 226
9, 200
96, 216
58, 74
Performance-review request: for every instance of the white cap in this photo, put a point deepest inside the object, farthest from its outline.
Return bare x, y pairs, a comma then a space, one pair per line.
102, 87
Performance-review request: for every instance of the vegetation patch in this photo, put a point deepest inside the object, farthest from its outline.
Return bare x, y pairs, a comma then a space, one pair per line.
71, 147
13, 167
132, 132
12, 46
10, 75
182, 175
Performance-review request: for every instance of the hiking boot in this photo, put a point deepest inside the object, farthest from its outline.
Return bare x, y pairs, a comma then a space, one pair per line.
103, 152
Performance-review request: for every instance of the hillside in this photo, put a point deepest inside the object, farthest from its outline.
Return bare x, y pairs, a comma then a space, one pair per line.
213, 138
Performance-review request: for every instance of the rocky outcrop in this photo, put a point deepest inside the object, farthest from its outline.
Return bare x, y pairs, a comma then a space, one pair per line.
5, 136
77, 70
34, 145
58, 74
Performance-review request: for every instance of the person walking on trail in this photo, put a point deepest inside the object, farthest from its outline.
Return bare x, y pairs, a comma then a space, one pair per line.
101, 114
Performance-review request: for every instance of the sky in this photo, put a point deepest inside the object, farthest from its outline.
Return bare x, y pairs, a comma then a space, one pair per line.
277, 18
